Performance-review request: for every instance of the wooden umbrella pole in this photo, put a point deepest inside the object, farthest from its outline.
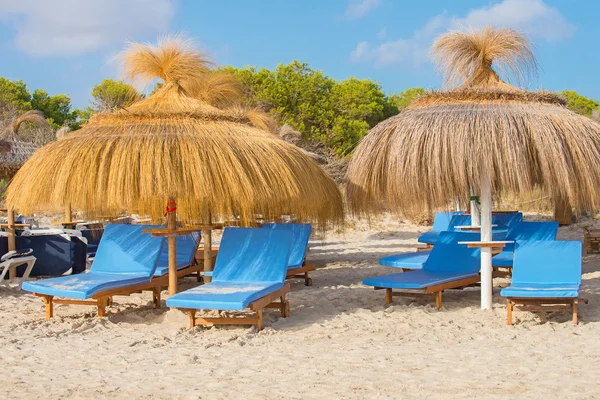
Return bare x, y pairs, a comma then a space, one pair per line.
68, 214
11, 239
172, 243
207, 235
486, 236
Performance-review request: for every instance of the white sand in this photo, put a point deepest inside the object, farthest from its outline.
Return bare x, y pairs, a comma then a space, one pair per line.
340, 342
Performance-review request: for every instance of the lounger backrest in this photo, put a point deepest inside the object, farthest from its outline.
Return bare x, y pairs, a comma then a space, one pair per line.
459, 220
531, 231
548, 263
301, 236
126, 249
448, 255
253, 255
506, 220
186, 249
441, 221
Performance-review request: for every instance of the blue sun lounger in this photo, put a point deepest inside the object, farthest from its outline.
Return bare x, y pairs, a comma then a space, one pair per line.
441, 223
297, 267
249, 272
415, 260
546, 277
125, 263
449, 266
524, 231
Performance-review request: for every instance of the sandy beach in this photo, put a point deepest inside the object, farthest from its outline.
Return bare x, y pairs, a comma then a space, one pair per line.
340, 341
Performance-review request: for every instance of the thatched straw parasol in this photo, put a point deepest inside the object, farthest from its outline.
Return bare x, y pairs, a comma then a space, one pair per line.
483, 134
13, 154
172, 147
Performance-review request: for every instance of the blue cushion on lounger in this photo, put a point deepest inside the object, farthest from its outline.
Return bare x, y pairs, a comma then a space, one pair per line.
301, 236
405, 260
126, 256
506, 220
546, 269
186, 250
448, 261
223, 295
417, 279
251, 263
83, 286
524, 231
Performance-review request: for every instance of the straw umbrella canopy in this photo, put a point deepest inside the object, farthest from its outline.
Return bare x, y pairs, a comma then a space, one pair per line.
483, 133
173, 147
14, 152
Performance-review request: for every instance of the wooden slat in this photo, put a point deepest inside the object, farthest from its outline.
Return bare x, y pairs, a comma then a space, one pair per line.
291, 273
15, 225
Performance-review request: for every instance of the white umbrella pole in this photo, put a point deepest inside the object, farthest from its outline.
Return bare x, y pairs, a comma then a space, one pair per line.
486, 236
475, 218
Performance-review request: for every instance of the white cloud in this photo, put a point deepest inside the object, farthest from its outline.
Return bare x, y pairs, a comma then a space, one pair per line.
357, 9
533, 17
67, 27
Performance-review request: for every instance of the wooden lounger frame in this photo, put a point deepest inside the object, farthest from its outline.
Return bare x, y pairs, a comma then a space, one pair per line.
428, 291
104, 299
542, 304
268, 301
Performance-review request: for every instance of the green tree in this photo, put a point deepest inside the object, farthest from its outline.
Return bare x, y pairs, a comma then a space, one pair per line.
403, 99
359, 105
110, 95
580, 104
57, 109
338, 114
14, 94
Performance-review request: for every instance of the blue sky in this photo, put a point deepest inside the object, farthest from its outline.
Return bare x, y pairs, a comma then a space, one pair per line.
67, 46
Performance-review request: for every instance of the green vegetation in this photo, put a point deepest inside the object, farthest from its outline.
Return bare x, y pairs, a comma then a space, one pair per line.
336, 113
580, 104
110, 95
15, 97
403, 99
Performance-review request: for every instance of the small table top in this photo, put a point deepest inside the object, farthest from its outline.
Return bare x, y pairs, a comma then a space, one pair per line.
494, 244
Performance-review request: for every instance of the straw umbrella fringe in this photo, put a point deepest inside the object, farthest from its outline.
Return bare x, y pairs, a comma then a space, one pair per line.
484, 134
174, 147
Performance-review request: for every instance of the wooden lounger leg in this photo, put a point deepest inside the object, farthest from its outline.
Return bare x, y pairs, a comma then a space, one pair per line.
259, 320
438, 299
388, 296
102, 306
192, 314
307, 280
575, 312
509, 307
285, 307
49, 306
156, 297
